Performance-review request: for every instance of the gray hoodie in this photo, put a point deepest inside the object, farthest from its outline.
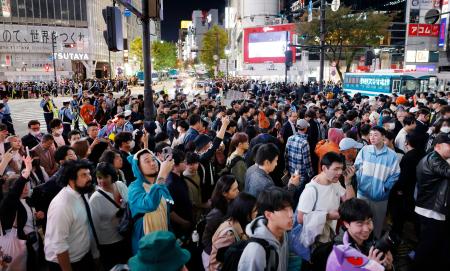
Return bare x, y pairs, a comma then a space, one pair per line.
253, 257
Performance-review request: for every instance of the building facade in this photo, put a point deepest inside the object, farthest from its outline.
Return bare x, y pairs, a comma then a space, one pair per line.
201, 22
71, 31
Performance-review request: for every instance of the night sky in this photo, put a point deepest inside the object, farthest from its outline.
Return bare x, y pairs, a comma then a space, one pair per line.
177, 10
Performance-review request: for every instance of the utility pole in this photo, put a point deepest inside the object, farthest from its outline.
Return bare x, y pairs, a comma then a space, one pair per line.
148, 92
53, 54
145, 19
323, 4
285, 61
217, 53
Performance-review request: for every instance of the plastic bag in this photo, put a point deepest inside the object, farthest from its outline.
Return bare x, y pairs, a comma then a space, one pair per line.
16, 248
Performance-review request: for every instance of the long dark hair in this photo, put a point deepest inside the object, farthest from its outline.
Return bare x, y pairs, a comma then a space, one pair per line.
223, 186
109, 156
241, 208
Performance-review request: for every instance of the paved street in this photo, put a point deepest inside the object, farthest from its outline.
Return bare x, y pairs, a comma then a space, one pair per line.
24, 110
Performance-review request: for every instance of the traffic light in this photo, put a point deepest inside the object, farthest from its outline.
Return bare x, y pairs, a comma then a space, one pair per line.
370, 55
113, 34
298, 15
47, 67
288, 58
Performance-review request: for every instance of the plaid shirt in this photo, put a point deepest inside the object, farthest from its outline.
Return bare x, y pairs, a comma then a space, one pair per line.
298, 156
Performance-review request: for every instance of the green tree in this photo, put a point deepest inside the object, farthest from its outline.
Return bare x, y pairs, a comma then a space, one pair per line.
164, 54
346, 34
136, 51
213, 43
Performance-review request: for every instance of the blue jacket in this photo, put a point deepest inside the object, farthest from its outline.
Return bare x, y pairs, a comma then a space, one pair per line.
376, 172
141, 202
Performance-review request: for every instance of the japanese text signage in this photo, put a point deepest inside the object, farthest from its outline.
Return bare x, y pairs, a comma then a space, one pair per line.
21, 38
375, 82
423, 30
442, 32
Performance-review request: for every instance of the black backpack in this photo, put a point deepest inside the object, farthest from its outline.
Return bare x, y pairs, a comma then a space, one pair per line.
231, 255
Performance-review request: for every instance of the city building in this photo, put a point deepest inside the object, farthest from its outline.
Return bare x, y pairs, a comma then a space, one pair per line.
71, 31
249, 22
201, 22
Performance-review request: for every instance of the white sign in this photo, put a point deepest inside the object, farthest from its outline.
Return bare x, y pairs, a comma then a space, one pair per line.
38, 39
410, 56
335, 5
425, 4
422, 56
419, 56
71, 56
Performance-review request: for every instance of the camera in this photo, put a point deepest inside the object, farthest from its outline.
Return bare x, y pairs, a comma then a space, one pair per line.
167, 151
388, 242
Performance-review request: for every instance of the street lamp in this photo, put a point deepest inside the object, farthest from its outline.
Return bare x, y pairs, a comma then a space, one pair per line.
216, 59
227, 54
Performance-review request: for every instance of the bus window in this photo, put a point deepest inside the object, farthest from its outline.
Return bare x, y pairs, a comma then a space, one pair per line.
410, 86
395, 86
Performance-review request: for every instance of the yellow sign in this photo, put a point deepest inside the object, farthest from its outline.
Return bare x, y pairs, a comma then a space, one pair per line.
185, 24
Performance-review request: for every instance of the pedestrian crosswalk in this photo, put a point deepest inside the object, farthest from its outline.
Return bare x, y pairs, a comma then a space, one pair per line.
25, 111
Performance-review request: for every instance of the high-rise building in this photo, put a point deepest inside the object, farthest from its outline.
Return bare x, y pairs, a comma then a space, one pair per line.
202, 21
27, 28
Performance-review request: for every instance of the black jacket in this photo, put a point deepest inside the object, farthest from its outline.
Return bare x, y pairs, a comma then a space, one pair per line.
407, 180
433, 176
286, 131
126, 167
30, 141
11, 205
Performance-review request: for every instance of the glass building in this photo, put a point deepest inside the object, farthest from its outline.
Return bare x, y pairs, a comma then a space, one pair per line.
30, 28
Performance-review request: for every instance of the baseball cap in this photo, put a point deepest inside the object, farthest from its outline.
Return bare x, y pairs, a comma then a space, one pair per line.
127, 113
349, 143
443, 138
302, 124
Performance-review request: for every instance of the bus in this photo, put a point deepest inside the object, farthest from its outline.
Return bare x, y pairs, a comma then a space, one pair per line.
388, 83
140, 76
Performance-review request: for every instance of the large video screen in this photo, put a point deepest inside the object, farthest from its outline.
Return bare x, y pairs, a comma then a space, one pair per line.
267, 44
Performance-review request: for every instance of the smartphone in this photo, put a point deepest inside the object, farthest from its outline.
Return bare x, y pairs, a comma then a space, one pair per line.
167, 151
28, 151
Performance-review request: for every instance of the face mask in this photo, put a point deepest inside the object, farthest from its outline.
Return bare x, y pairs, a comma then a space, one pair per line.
445, 129
132, 144
391, 126
35, 133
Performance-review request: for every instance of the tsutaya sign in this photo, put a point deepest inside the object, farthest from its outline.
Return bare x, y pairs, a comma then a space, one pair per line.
71, 56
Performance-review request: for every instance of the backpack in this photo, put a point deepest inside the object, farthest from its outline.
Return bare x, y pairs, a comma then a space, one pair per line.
126, 224
231, 255
227, 169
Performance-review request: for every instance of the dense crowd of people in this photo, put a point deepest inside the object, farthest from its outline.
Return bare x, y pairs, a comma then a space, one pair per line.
29, 90
284, 178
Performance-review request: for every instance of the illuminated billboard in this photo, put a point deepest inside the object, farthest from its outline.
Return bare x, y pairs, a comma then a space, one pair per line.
268, 44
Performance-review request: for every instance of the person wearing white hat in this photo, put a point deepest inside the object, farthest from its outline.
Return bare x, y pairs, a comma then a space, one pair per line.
120, 124
349, 148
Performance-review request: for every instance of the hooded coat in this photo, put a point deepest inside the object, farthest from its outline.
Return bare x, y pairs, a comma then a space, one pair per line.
141, 202
253, 254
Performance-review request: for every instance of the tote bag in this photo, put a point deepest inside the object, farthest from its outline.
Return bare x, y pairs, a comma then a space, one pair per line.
12, 246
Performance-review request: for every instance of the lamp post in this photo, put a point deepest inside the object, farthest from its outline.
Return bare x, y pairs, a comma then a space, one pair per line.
216, 70
227, 53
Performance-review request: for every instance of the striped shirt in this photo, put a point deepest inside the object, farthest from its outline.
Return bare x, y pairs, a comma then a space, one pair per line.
298, 156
